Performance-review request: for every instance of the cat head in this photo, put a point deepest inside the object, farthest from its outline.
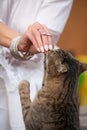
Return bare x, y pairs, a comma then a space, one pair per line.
59, 62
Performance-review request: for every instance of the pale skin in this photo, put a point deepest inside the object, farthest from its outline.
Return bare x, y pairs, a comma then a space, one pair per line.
37, 38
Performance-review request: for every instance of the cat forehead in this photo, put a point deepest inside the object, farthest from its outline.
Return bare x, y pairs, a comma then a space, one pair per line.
59, 53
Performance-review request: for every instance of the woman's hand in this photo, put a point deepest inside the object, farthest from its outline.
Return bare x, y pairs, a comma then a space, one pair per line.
37, 38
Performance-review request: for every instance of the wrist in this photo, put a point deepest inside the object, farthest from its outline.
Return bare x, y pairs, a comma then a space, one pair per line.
24, 45
25, 55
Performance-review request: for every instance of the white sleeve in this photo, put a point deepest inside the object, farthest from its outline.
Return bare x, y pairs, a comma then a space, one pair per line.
54, 14
3, 10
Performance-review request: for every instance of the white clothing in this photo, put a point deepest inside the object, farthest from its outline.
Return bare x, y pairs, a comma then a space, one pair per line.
19, 14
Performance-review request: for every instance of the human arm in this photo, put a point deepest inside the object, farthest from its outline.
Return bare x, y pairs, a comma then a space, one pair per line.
7, 35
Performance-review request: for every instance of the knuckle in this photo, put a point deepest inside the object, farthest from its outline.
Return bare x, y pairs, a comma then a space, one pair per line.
34, 31
27, 34
36, 25
37, 35
29, 27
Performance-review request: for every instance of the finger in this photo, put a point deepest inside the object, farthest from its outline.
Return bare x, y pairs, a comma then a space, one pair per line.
44, 38
49, 37
33, 40
38, 38
45, 42
50, 42
33, 50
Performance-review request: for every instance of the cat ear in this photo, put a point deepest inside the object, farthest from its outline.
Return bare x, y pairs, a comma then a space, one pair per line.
62, 68
83, 67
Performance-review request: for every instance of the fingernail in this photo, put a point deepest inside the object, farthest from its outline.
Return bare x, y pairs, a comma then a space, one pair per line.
38, 49
46, 47
42, 49
50, 47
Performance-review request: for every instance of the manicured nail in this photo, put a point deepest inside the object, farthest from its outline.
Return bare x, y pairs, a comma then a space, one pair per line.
42, 49
50, 47
46, 47
38, 49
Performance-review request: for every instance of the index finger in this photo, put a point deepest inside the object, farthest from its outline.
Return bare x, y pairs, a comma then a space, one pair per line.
49, 37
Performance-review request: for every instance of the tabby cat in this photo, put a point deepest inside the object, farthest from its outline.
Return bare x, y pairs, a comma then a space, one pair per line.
56, 105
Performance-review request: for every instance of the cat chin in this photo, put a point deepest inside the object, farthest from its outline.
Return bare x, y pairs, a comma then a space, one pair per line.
56, 47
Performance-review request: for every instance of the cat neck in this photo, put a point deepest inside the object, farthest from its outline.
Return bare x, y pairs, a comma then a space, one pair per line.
50, 81
55, 86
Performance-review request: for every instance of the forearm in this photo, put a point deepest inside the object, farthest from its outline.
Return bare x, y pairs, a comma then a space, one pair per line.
6, 35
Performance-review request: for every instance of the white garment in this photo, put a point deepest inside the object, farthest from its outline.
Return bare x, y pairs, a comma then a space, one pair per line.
19, 14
